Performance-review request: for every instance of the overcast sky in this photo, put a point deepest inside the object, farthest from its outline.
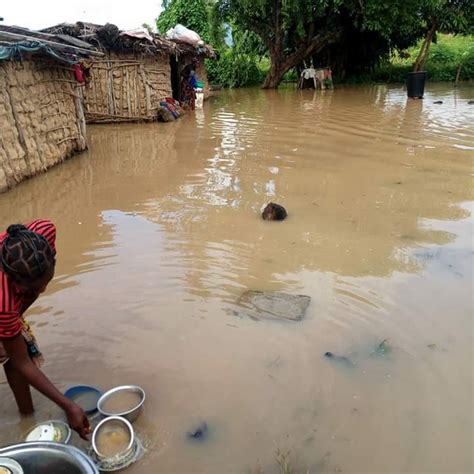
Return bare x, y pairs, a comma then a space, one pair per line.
38, 14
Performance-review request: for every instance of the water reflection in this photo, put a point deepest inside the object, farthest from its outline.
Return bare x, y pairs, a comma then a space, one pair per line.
349, 167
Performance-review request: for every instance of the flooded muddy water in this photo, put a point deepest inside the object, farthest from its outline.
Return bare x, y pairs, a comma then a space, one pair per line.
159, 234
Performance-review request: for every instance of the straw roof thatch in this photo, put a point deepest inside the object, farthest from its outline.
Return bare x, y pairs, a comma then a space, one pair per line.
109, 38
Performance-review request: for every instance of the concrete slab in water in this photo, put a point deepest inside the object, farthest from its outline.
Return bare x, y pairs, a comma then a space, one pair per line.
273, 305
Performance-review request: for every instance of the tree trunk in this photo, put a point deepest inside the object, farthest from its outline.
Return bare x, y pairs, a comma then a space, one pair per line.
273, 79
425, 49
279, 67
458, 74
281, 64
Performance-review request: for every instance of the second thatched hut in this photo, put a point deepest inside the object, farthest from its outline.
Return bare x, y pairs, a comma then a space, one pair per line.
139, 69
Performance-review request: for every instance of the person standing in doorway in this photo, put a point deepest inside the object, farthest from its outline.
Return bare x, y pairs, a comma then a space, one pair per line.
188, 87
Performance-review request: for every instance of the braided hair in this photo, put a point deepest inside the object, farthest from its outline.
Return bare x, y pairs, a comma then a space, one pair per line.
25, 255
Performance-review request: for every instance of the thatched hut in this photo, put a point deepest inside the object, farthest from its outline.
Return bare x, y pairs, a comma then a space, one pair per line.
137, 71
41, 115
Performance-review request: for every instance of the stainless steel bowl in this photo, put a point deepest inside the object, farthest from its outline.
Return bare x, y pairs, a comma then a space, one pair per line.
49, 458
11, 466
61, 433
127, 426
132, 414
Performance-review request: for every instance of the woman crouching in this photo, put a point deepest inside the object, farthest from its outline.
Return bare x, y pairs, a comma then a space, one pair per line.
27, 263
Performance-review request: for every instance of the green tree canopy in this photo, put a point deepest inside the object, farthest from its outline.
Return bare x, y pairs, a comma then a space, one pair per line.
447, 16
193, 14
294, 30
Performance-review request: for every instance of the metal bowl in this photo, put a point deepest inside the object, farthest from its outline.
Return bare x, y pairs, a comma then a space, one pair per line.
49, 458
127, 426
77, 394
11, 466
50, 431
132, 414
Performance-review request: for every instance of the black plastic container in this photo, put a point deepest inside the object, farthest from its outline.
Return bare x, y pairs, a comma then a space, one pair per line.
416, 84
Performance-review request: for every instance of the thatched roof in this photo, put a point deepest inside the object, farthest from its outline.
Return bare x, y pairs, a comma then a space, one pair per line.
110, 38
16, 41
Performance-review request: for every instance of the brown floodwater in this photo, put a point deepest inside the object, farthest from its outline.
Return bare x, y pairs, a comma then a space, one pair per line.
159, 234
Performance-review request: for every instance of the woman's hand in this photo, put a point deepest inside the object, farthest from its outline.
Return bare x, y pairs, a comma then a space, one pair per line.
20, 361
78, 421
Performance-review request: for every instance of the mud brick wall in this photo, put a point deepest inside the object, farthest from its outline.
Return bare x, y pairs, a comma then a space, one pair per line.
41, 118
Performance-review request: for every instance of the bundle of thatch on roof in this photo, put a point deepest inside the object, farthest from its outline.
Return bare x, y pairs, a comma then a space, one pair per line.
110, 38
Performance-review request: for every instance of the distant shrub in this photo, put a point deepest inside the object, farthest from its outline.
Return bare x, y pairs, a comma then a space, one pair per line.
443, 63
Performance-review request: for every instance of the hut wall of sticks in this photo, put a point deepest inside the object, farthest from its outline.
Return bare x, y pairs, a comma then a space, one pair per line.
41, 115
134, 75
127, 87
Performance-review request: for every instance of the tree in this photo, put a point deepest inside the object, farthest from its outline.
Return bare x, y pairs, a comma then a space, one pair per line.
193, 14
352, 30
272, 20
370, 31
447, 16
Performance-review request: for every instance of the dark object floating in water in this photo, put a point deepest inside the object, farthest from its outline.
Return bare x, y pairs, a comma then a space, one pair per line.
274, 212
471, 102
200, 433
259, 305
438, 102
337, 358
432, 346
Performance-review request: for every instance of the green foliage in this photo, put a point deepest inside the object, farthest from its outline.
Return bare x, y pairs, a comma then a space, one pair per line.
450, 16
193, 14
447, 16
443, 62
240, 65
147, 27
235, 70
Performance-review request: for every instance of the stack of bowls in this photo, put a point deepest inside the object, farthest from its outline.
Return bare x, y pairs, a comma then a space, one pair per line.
113, 438
113, 441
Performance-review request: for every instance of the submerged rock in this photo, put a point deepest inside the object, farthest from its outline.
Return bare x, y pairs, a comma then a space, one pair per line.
274, 212
273, 305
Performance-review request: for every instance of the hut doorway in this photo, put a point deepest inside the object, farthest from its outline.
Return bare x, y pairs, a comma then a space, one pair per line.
175, 82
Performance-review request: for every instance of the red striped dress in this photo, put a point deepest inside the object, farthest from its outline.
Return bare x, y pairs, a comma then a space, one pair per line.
13, 303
